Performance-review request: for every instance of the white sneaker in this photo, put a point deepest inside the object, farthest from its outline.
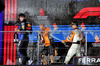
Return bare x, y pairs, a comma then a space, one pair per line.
20, 60
30, 62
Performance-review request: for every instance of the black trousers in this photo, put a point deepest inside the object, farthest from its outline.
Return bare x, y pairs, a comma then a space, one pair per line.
48, 50
23, 48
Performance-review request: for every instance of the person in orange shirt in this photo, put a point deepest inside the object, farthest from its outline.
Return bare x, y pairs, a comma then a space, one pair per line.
48, 49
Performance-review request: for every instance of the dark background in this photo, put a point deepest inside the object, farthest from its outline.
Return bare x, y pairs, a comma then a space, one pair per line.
59, 11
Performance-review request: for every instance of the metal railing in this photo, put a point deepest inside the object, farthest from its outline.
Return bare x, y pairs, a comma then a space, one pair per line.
58, 35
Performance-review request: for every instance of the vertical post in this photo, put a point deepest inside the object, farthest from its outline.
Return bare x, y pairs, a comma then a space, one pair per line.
38, 49
86, 48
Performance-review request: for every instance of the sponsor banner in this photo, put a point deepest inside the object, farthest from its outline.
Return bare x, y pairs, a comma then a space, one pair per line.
87, 60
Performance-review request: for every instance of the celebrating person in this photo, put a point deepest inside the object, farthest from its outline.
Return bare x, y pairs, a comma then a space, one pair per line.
23, 43
76, 37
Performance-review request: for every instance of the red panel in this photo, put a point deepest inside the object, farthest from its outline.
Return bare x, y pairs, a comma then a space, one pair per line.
15, 16
14, 60
8, 44
8, 10
12, 10
5, 38
11, 50
5, 10
14, 55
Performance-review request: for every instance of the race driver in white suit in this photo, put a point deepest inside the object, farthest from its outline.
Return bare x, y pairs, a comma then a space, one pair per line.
76, 37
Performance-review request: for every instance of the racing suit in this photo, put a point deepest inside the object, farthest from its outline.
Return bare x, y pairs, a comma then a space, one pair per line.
76, 37
23, 43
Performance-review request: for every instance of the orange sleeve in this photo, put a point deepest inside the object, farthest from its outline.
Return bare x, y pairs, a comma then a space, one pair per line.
69, 38
47, 29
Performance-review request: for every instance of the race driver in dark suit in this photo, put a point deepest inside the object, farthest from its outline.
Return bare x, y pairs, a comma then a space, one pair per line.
25, 26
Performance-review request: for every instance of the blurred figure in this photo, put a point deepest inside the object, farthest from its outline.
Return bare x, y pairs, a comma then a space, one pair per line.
48, 49
23, 43
76, 37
